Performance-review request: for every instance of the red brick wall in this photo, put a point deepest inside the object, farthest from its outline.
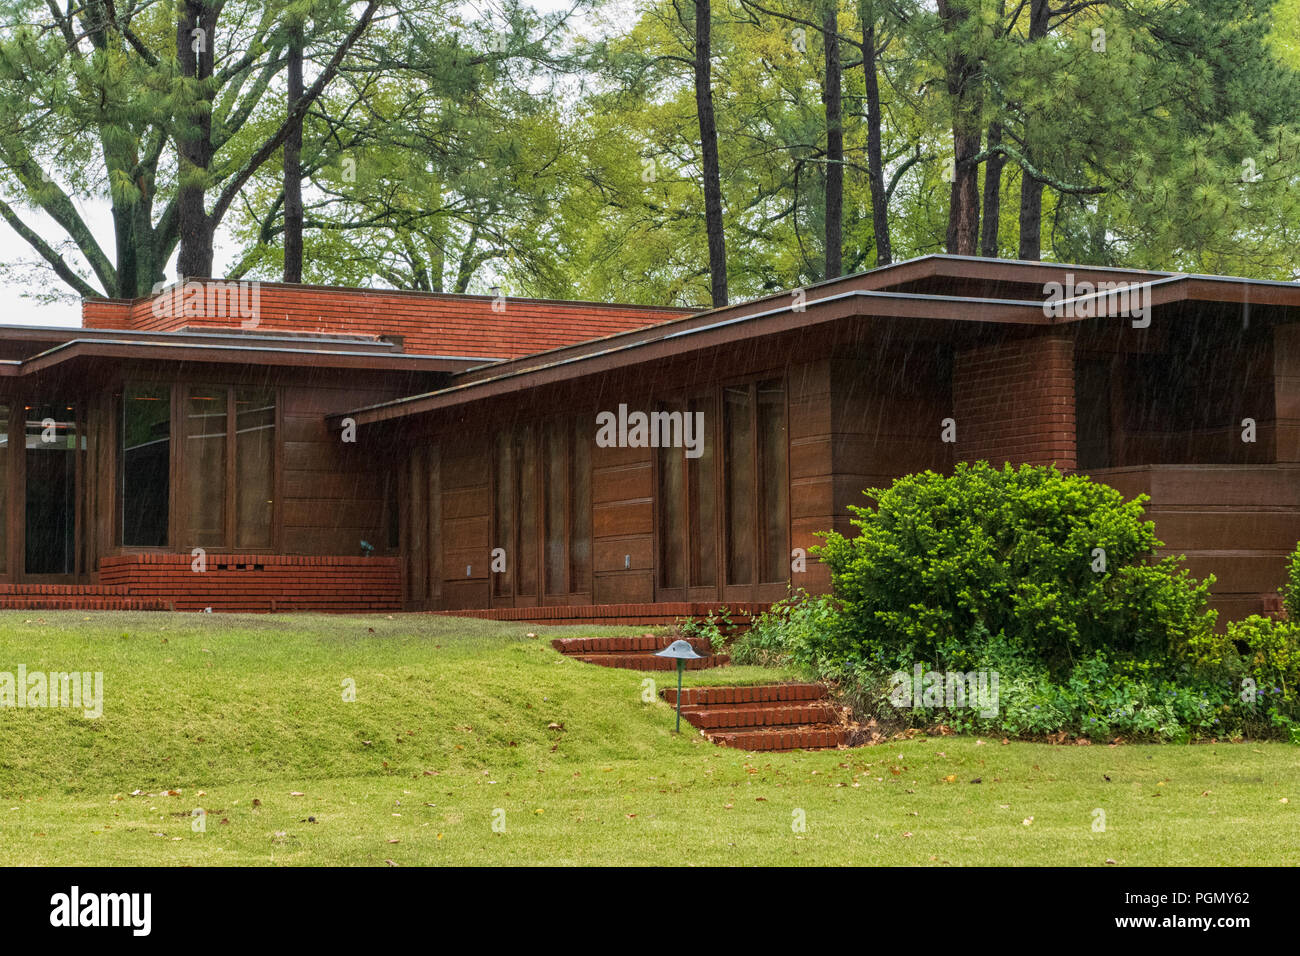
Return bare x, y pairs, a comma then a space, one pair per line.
427, 323
1014, 401
259, 582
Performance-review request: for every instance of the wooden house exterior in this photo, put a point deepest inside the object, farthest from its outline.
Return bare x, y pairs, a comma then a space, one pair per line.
201, 460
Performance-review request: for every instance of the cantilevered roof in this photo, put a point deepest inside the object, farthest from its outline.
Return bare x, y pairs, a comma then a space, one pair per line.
868, 294
43, 348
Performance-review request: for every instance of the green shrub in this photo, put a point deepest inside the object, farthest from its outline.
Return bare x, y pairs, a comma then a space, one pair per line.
717, 626
1263, 659
1012, 553
787, 633
1291, 590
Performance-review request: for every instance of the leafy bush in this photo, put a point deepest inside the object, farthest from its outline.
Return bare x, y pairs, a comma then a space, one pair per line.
1291, 591
787, 632
993, 575
1263, 658
1059, 566
717, 626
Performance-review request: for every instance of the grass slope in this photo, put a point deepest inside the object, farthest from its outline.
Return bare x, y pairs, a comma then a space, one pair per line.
451, 732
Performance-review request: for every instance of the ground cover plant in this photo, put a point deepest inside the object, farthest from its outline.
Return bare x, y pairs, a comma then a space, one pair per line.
458, 724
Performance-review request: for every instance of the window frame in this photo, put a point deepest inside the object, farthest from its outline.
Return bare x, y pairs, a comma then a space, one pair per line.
723, 588
178, 520
525, 437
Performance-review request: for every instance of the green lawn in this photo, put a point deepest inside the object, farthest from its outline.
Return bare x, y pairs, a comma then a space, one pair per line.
451, 731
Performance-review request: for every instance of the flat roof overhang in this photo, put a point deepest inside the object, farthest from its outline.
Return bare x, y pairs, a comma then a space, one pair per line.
222, 349
717, 328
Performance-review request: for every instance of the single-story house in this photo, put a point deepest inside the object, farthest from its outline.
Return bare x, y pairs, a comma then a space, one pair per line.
277, 447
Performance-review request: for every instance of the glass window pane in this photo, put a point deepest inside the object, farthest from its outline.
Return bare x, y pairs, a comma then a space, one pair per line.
503, 506
526, 469
254, 466
557, 496
704, 499
672, 518
738, 467
775, 508
51, 470
580, 509
145, 462
4, 486
205, 467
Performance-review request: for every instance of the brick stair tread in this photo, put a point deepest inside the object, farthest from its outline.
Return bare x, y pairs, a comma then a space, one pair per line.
645, 643
638, 661
737, 717
746, 694
807, 737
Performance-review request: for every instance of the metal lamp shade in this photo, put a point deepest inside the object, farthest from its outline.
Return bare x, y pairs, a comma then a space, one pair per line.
681, 650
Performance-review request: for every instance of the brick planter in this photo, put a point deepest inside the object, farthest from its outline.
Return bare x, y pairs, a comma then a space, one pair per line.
259, 582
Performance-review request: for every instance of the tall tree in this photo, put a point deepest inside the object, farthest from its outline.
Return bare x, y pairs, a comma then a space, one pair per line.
293, 211
196, 28
712, 184
832, 97
197, 20
1031, 187
875, 161
962, 78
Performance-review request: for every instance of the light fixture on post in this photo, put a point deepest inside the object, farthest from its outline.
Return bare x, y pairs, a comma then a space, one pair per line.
681, 651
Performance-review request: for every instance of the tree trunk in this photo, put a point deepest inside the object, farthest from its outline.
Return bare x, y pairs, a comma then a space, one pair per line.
834, 144
875, 163
195, 32
1031, 189
963, 89
709, 155
992, 194
293, 213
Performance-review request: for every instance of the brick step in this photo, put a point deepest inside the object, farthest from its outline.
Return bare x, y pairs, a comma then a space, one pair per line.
740, 717
642, 643
64, 590
757, 693
809, 737
74, 603
649, 662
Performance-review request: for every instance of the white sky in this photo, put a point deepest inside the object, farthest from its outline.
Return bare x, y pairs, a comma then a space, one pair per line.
19, 310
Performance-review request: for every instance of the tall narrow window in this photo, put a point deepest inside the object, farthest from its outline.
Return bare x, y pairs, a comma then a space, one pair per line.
503, 510
738, 470
673, 530
526, 481
145, 465
51, 479
254, 466
702, 481
774, 506
580, 508
557, 507
205, 466
4, 485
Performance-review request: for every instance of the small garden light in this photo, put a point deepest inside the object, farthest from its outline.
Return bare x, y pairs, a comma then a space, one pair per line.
682, 652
